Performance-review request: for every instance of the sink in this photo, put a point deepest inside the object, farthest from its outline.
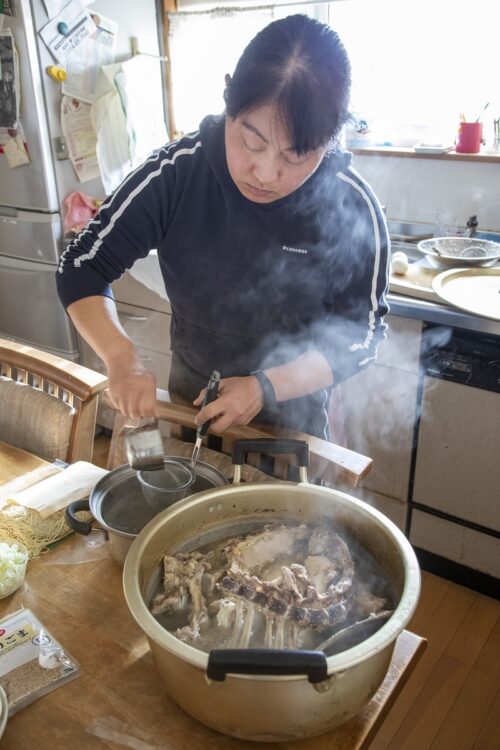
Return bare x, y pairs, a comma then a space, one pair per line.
410, 231
405, 235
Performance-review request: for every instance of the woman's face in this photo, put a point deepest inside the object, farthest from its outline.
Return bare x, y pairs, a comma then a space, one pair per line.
260, 160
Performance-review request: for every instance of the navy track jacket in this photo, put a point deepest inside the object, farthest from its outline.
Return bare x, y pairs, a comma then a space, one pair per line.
250, 285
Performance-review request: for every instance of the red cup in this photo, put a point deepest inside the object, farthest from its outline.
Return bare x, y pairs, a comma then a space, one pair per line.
469, 137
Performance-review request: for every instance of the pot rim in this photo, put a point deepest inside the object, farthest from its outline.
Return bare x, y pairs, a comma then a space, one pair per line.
99, 491
380, 640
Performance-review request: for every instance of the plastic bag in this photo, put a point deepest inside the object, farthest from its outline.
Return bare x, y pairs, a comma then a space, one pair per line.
32, 661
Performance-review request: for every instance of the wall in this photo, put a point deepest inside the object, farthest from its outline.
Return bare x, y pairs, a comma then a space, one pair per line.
418, 189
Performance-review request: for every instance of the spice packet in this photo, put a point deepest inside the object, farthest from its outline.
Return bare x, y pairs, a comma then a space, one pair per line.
32, 661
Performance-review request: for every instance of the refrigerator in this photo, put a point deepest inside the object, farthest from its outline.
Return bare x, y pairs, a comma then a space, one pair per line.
31, 196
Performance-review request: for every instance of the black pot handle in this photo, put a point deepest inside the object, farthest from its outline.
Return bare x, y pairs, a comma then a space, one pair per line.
280, 446
82, 527
267, 661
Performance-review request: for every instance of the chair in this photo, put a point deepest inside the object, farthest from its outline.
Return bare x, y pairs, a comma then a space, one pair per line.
48, 405
329, 463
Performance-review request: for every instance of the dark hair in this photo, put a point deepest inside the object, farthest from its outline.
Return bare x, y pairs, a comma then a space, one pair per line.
301, 65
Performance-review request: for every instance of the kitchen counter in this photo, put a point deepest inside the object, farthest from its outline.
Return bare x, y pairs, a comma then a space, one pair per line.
412, 296
441, 314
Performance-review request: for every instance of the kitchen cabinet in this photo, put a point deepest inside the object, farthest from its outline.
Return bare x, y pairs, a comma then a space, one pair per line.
145, 316
379, 412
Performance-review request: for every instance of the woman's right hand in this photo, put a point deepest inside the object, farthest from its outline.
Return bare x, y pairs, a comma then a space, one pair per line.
132, 388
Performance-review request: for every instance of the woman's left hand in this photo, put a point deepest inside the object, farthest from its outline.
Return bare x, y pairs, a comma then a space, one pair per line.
238, 402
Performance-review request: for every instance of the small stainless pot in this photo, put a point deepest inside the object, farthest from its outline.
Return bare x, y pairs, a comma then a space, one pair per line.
118, 505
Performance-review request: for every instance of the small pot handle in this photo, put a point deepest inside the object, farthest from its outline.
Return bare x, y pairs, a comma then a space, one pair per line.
82, 527
267, 661
279, 446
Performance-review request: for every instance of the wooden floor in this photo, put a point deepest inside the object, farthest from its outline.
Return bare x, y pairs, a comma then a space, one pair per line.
452, 700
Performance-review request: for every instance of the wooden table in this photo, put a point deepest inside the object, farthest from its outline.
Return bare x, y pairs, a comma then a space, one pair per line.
118, 700
14, 462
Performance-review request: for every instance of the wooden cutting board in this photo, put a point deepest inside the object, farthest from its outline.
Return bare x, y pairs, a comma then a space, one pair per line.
417, 281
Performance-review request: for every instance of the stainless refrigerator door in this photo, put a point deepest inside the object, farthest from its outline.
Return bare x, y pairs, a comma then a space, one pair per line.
30, 309
31, 186
30, 235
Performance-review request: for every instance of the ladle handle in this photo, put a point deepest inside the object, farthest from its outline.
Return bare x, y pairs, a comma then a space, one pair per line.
210, 395
267, 661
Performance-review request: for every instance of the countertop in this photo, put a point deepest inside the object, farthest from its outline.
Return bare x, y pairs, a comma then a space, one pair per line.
441, 314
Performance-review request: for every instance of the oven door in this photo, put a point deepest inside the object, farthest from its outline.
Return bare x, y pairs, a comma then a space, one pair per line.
456, 513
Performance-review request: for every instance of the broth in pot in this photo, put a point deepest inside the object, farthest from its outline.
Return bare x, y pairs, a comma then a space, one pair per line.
276, 585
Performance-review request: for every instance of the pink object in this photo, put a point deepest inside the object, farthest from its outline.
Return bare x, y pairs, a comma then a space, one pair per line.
80, 208
469, 137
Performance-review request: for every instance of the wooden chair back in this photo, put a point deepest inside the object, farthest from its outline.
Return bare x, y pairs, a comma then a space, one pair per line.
58, 396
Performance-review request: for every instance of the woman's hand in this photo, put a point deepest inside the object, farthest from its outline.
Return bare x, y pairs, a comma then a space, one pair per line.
238, 402
132, 388
241, 399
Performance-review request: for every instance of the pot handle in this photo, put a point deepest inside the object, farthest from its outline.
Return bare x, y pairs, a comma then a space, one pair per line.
280, 446
267, 661
82, 527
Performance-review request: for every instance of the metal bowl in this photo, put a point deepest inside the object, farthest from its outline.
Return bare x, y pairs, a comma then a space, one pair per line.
460, 251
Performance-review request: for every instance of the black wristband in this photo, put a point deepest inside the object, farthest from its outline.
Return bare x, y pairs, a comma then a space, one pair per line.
267, 389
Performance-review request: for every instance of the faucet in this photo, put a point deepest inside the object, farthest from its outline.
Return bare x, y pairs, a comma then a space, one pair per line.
472, 225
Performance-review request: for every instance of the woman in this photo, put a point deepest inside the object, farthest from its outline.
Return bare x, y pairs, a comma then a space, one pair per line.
273, 250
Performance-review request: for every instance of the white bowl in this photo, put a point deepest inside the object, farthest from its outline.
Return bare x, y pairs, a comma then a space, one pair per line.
460, 251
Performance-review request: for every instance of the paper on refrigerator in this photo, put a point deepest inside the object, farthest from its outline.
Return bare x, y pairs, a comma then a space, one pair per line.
9, 81
53, 7
82, 65
14, 147
80, 26
80, 137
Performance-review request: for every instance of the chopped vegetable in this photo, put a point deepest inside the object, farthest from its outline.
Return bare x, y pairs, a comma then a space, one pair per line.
13, 559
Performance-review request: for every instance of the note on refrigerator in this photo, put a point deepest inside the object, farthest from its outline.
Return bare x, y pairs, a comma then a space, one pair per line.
53, 7
82, 65
80, 137
78, 25
14, 147
9, 81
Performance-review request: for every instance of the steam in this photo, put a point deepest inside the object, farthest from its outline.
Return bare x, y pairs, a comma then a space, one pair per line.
381, 405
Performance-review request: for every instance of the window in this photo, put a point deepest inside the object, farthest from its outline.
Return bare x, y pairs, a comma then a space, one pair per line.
205, 45
415, 66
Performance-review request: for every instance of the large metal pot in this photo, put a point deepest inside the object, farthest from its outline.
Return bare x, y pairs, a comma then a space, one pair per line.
118, 505
270, 702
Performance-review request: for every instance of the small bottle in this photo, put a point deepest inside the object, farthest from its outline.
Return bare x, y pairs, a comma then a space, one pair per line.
57, 73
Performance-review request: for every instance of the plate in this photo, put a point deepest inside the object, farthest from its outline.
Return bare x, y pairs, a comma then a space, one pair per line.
476, 290
460, 251
428, 148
